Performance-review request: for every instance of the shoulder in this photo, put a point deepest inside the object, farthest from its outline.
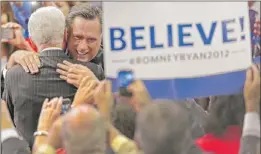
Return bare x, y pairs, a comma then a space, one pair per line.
15, 71
15, 145
250, 144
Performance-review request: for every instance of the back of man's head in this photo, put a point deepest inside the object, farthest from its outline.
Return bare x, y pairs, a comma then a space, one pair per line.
124, 118
164, 127
84, 131
46, 26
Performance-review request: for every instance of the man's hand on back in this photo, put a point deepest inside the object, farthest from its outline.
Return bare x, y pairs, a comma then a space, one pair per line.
74, 73
27, 59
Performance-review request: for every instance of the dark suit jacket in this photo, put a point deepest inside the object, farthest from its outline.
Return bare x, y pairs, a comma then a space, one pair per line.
98, 59
15, 146
25, 93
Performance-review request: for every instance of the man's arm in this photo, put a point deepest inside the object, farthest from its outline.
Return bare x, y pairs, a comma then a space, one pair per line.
250, 140
7, 95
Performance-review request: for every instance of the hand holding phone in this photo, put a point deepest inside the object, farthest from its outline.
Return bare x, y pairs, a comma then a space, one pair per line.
125, 78
66, 105
7, 33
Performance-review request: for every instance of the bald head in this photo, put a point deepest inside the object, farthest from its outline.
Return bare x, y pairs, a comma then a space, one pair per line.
163, 127
84, 131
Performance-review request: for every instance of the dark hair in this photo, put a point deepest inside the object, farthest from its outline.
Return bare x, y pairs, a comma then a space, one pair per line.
124, 118
223, 112
84, 10
164, 127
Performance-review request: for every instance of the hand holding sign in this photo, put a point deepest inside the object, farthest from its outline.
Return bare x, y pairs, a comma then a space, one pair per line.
201, 53
252, 89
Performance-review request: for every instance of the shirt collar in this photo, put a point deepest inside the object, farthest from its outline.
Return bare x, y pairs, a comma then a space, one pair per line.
53, 52
51, 48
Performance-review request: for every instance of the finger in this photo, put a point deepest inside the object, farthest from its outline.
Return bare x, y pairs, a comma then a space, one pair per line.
72, 81
63, 77
4, 40
249, 76
45, 103
108, 87
15, 25
256, 74
4, 26
73, 76
53, 103
23, 64
67, 63
63, 67
133, 86
90, 98
74, 69
9, 25
91, 84
37, 60
34, 64
77, 66
84, 81
28, 64
137, 84
82, 67
101, 87
59, 105
62, 72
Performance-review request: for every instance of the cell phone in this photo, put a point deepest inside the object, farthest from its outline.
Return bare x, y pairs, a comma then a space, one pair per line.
66, 105
125, 78
7, 33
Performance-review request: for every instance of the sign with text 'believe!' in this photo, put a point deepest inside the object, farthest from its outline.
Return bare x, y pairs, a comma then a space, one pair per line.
180, 50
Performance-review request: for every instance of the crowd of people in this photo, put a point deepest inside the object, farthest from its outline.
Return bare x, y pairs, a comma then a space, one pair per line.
61, 62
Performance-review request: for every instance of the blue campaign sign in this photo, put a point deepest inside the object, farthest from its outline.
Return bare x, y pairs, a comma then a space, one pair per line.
178, 53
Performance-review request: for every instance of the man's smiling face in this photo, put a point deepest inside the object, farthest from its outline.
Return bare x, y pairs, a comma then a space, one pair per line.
84, 39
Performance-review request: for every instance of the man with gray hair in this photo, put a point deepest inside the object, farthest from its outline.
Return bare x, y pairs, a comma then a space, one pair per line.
163, 127
83, 43
84, 131
24, 92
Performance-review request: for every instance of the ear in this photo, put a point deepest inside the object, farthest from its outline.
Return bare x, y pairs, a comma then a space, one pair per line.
101, 43
66, 34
